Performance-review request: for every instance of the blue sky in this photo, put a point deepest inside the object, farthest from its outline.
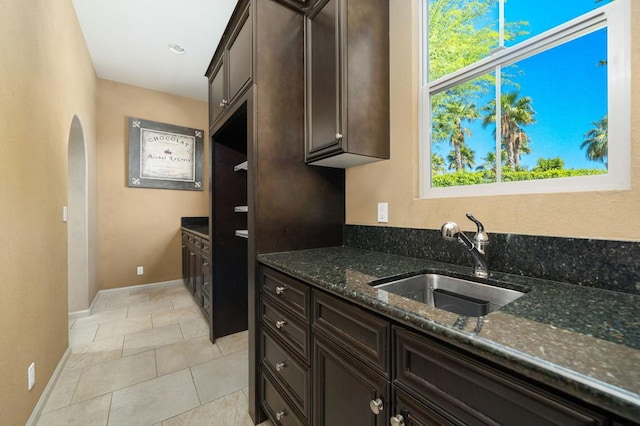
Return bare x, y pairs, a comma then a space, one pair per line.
567, 87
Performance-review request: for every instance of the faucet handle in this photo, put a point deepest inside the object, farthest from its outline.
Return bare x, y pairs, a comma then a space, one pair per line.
481, 235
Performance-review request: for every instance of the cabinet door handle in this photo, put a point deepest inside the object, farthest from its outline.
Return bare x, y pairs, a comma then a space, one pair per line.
206, 306
280, 290
281, 414
338, 136
396, 420
376, 406
205, 264
280, 323
280, 366
223, 103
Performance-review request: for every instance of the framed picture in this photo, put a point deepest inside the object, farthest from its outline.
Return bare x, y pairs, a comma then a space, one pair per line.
165, 156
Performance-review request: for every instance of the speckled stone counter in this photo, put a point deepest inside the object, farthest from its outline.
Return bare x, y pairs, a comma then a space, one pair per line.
584, 341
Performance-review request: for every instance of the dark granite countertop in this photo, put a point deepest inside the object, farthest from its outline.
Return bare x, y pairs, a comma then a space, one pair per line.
199, 230
584, 341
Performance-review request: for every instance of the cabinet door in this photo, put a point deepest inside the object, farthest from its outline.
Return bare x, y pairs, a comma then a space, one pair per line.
408, 411
217, 99
345, 389
239, 58
324, 112
185, 259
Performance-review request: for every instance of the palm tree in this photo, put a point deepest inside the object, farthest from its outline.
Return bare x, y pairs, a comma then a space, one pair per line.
448, 125
467, 156
490, 160
437, 164
516, 113
597, 141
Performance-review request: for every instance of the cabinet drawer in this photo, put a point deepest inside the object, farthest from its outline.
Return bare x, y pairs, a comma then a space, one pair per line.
475, 393
293, 374
275, 405
359, 332
284, 325
293, 294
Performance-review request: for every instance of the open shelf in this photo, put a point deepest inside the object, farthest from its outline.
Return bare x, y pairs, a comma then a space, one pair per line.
241, 166
242, 233
241, 209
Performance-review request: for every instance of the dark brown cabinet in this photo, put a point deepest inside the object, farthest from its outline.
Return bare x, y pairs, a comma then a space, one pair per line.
351, 363
216, 91
345, 390
367, 371
347, 82
468, 392
288, 205
196, 270
231, 74
285, 342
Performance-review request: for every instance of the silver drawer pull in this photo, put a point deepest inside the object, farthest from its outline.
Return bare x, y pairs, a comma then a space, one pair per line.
397, 420
338, 136
281, 414
280, 290
280, 323
376, 406
280, 366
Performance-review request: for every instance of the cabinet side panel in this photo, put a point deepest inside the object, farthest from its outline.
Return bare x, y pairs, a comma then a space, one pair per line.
297, 206
367, 82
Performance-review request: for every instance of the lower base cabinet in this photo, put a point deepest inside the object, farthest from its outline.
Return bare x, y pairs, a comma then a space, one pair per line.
367, 371
345, 390
466, 391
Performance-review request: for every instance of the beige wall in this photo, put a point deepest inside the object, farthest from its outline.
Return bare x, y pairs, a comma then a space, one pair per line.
606, 215
139, 226
46, 77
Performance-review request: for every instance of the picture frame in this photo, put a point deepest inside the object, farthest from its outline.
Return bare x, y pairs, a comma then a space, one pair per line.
165, 156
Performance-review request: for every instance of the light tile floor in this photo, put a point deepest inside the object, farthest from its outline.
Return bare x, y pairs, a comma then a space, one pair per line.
143, 357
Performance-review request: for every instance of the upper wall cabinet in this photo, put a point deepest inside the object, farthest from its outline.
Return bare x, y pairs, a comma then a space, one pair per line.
347, 82
230, 72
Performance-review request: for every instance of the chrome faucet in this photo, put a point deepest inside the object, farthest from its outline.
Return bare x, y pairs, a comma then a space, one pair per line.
477, 247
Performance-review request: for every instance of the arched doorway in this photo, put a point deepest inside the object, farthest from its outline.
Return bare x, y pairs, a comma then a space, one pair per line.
77, 231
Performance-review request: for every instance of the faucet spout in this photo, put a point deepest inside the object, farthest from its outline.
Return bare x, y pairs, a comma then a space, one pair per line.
477, 247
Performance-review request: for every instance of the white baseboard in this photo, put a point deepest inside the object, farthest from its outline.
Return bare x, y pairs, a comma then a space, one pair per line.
42, 401
141, 286
79, 314
37, 410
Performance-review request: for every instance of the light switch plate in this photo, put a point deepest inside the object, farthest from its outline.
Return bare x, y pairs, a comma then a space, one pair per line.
65, 214
140, 270
383, 212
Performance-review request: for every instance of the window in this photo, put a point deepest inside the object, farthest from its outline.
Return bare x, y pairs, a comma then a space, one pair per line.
517, 96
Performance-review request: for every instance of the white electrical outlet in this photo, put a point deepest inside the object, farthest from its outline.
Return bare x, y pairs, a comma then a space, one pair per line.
383, 212
31, 374
140, 270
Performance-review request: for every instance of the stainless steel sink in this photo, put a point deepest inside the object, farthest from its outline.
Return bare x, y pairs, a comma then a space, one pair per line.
452, 294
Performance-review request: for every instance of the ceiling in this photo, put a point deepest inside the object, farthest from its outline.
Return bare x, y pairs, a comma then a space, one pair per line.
128, 41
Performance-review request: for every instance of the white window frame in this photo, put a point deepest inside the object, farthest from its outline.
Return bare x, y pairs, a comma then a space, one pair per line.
615, 17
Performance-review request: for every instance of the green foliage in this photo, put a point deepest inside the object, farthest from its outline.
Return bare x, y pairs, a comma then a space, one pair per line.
544, 164
462, 178
596, 141
456, 36
516, 112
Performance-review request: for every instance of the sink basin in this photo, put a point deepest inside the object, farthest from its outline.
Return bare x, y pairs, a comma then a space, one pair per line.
455, 295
